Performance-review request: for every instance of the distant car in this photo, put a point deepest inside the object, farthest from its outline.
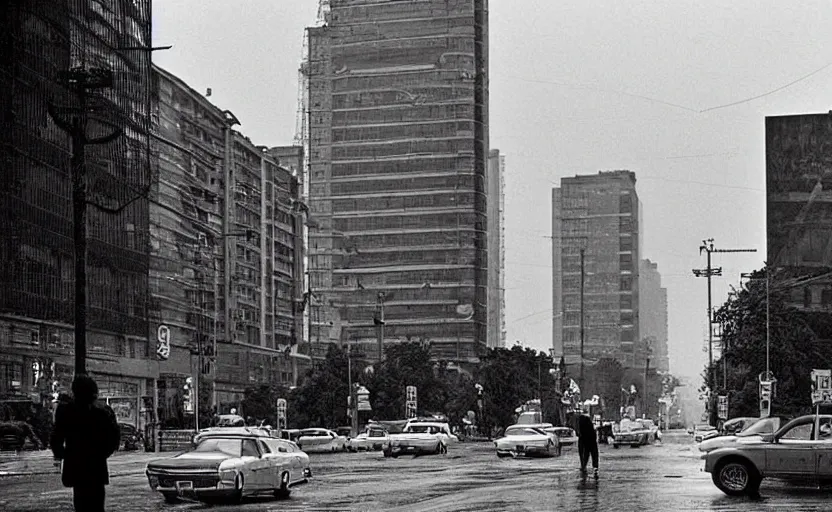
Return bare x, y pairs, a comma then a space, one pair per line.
258, 431
566, 436
521, 440
321, 440
344, 431
638, 432
420, 437
795, 452
373, 438
703, 432
131, 438
230, 464
751, 434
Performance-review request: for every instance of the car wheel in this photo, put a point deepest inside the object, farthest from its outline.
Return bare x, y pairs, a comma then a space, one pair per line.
170, 497
283, 491
239, 485
736, 478
615, 445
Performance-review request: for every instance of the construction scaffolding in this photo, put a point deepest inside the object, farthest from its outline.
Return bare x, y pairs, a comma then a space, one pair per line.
396, 111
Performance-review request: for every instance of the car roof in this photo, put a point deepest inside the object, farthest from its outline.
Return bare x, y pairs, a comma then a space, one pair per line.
233, 432
802, 420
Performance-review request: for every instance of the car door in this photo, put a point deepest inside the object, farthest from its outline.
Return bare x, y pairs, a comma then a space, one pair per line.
256, 466
823, 450
793, 453
282, 459
271, 459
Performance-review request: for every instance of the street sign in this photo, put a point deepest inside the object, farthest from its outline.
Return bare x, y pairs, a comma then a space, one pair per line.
765, 399
411, 403
363, 399
722, 407
281, 408
163, 343
821, 387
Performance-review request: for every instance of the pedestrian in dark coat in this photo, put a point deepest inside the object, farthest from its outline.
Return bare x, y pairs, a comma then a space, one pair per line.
587, 442
85, 435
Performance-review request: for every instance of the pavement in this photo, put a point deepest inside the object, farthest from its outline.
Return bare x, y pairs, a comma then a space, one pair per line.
40, 462
657, 478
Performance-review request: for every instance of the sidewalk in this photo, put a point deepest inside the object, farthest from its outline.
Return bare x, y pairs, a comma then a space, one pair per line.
40, 463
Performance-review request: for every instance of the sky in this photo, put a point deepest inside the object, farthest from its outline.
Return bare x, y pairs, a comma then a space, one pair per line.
675, 90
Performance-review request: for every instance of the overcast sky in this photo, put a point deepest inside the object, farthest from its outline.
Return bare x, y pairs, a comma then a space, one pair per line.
577, 87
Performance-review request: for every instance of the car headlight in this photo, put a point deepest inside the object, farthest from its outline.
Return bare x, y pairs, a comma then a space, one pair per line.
228, 475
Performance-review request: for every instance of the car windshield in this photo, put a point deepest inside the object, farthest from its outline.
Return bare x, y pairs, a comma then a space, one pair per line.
231, 447
761, 426
522, 431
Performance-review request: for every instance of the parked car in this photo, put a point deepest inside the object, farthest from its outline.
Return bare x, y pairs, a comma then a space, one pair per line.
373, 438
703, 432
321, 440
525, 440
290, 434
565, 435
420, 437
638, 432
751, 434
795, 452
735, 425
131, 438
230, 464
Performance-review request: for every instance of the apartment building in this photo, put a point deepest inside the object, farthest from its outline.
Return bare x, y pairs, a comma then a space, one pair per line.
227, 253
396, 103
596, 247
496, 250
652, 316
41, 42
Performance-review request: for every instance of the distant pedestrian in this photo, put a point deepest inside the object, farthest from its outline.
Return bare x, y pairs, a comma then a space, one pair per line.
587, 442
85, 435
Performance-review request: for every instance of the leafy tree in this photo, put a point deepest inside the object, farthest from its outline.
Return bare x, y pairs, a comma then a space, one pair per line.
260, 402
406, 364
321, 400
511, 377
797, 346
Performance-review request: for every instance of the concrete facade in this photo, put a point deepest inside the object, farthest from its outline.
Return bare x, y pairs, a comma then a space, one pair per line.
227, 253
652, 315
396, 103
496, 250
598, 214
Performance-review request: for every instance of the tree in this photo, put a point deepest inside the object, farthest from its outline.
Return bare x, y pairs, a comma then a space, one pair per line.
260, 402
321, 400
795, 347
511, 377
406, 364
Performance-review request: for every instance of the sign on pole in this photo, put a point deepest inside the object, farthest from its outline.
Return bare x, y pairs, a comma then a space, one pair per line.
722, 407
281, 413
363, 402
410, 405
765, 399
821, 387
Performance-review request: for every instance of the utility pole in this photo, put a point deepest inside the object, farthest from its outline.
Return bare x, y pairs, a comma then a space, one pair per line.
379, 321
583, 280
81, 82
646, 392
709, 272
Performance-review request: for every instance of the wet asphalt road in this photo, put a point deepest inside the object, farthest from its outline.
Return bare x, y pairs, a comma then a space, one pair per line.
657, 478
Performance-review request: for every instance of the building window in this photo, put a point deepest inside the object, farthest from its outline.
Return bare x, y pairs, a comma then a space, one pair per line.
625, 224
627, 335
625, 262
627, 318
626, 204
626, 283
807, 297
626, 243
626, 302
826, 297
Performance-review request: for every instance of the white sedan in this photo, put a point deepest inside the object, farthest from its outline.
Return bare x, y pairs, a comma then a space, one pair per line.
373, 438
321, 440
525, 440
230, 464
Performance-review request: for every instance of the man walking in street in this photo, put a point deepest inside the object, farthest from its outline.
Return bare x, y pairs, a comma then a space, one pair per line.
85, 435
587, 443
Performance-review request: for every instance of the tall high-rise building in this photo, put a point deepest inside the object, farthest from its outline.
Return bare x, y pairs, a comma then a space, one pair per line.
496, 249
46, 47
396, 104
226, 251
596, 219
652, 314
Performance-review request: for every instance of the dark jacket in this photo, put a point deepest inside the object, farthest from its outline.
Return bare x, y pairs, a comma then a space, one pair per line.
84, 437
586, 429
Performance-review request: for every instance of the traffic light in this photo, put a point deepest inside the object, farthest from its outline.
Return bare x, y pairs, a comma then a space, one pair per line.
189, 403
765, 408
